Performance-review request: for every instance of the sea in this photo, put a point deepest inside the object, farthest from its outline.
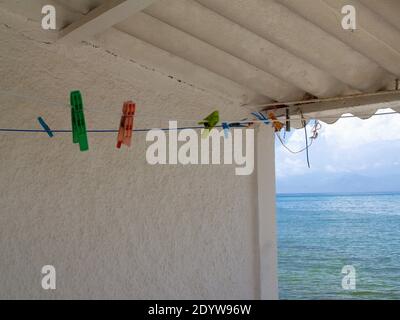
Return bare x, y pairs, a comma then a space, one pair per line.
339, 246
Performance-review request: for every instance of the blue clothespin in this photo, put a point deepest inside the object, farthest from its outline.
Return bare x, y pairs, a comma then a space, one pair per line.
225, 126
261, 117
45, 127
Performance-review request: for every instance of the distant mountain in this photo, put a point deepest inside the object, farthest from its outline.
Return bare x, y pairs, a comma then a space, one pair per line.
336, 183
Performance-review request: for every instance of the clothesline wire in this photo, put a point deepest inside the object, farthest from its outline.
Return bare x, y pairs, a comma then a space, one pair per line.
290, 150
306, 137
164, 129
315, 128
181, 128
100, 130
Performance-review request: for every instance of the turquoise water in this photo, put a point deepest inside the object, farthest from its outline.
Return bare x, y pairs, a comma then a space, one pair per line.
319, 234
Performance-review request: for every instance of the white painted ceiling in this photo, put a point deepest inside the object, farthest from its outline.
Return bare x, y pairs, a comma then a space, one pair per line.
256, 51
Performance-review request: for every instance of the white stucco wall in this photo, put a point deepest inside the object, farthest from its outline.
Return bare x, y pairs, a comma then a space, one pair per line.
112, 225
267, 233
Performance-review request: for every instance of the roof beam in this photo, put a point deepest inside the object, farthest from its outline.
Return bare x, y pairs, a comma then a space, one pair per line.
329, 110
144, 53
346, 102
102, 18
328, 104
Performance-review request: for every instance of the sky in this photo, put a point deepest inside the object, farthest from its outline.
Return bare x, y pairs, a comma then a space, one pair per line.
351, 155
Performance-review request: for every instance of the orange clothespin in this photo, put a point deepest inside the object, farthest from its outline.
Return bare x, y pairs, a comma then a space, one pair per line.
275, 123
126, 124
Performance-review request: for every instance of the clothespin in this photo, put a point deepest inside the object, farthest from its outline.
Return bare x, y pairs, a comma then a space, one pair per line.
225, 126
303, 120
261, 117
209, 123
287, 120
126, 124
316, 127
45, 127
276, 124
79, 133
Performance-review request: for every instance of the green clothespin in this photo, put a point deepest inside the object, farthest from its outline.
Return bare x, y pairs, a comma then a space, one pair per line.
79, 134
209, 122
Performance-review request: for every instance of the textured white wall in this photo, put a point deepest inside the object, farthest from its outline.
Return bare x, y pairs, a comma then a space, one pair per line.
112, 225
266, 213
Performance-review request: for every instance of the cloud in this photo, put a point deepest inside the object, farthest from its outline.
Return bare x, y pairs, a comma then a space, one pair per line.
351, 133
350, 145
290, 166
